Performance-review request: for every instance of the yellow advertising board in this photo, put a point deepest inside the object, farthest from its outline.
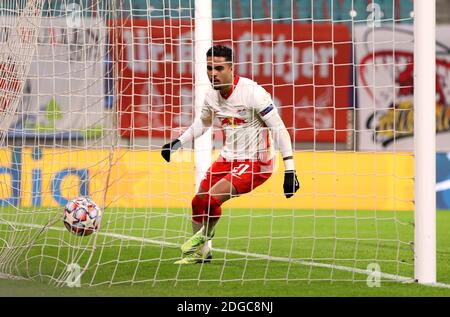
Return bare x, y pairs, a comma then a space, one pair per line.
141, 179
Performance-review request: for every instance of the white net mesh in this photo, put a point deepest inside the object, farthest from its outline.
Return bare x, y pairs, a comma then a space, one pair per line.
15, 58
112, 81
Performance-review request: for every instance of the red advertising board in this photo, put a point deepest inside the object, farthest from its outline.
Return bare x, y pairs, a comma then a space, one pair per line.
306, 68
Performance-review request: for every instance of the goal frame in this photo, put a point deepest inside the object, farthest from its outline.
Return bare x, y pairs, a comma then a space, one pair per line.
424, 127
425, 141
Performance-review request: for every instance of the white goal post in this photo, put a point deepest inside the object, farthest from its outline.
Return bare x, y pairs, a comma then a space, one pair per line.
425, 140
203, 41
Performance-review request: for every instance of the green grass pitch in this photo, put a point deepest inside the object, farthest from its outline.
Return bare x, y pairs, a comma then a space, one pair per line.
256, 253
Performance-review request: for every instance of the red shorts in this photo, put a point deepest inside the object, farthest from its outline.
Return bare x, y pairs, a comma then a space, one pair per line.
245, 175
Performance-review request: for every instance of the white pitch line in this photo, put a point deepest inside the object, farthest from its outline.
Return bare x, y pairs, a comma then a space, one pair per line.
393, 277
4, 276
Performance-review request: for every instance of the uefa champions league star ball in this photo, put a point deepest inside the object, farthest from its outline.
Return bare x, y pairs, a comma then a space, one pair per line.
82, 216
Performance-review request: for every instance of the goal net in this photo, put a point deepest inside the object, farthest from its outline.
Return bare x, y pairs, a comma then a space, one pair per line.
91, 90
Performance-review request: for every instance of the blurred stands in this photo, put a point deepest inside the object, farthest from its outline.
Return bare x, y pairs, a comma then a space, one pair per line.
277, 10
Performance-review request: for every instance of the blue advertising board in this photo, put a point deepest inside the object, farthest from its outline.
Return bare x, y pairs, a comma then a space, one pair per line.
443, 181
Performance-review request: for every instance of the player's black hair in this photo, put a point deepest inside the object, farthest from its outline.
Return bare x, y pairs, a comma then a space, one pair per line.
221, 51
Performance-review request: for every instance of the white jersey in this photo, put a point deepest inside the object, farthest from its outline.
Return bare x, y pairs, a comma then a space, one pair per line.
240, 116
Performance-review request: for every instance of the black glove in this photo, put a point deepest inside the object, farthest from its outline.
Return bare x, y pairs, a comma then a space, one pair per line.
169, 148
291, 184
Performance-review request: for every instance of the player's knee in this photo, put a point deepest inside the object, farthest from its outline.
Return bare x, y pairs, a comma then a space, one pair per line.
205, 206
215, 211
198, 208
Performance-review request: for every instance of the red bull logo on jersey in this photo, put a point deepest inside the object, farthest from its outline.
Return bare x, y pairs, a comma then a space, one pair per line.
233, 122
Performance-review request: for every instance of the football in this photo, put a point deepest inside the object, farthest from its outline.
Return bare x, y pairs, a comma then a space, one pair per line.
82, 216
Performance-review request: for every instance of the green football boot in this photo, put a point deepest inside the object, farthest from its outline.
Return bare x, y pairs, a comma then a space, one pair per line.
193, 244
199, 256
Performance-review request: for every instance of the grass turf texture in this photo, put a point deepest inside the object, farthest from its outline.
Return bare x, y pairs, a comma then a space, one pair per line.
140, 246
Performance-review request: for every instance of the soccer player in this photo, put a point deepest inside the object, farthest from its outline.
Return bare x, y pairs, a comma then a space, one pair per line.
246, 113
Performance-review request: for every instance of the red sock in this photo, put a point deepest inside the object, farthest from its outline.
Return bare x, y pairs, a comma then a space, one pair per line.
198, 208
205, 207
215, 211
